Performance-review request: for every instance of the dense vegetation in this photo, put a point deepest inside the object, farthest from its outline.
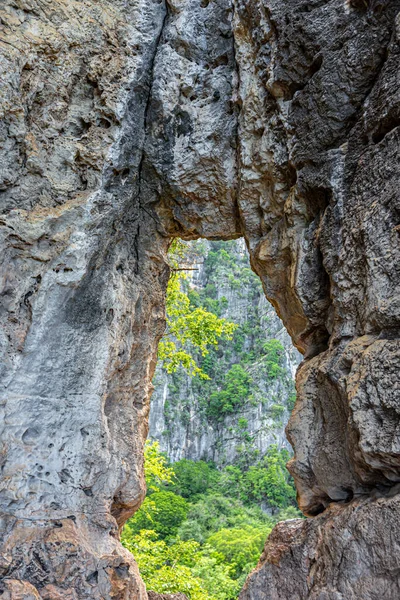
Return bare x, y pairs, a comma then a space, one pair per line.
191, 329
201, 530
202, 527
243, 370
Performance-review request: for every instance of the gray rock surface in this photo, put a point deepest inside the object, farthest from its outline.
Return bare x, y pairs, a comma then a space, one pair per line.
124, 123
79, 330
348, 553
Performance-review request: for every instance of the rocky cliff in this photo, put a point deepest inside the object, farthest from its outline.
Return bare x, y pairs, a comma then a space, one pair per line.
125, 123
184, 417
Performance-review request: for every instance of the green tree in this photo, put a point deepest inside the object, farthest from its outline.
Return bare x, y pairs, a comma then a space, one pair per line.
277, 411
192, 478
156, 469
190, 328
215, 511
270, 481
205, 545
166, 569
216, 577
231, 482
239, 547
162, 512
274, 358
234, 394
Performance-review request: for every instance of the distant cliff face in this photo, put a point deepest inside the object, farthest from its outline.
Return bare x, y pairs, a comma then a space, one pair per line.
183, 416
125, 123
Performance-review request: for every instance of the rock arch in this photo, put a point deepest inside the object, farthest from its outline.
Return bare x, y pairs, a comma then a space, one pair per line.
125, 123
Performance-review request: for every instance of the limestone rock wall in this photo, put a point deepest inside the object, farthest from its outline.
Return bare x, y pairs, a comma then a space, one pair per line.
124, 123
79, 326
348, 552
338, 221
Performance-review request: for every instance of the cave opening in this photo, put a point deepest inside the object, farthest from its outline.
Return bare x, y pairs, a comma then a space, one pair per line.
216, 450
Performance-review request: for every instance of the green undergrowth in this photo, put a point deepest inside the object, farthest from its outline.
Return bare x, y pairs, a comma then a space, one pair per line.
202, 527
201, 530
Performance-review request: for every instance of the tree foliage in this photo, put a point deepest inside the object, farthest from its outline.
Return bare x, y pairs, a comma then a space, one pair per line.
205, 543
201, 529
156, 469
190, 328
271, 481
166, 568
240, 547
274, 358
162, 512
193, 478
266, 482
233, 395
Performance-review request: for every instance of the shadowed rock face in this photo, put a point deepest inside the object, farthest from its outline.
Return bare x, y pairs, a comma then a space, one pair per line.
348, 552
126, 123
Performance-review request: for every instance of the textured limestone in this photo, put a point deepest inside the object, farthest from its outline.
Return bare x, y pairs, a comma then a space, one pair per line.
79, 330
348, 553
335, 253
349, 445
333, 248
311, 133
126, 122
191, 133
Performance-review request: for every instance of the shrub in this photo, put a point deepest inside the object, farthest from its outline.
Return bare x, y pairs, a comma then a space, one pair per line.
277, 410
274, 358
235, 392
193, 478
162, 512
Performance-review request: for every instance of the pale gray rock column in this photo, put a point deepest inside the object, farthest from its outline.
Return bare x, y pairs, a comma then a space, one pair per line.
82, 303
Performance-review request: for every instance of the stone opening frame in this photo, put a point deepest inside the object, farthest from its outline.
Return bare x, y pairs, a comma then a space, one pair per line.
282, 148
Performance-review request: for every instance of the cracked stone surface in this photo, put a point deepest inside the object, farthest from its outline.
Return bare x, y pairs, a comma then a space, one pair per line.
124, 123
347, 553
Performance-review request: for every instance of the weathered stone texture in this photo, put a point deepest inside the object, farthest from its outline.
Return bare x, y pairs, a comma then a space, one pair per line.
190, 150
350, 444
308, 98
79, 328
348, 553
124, 123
